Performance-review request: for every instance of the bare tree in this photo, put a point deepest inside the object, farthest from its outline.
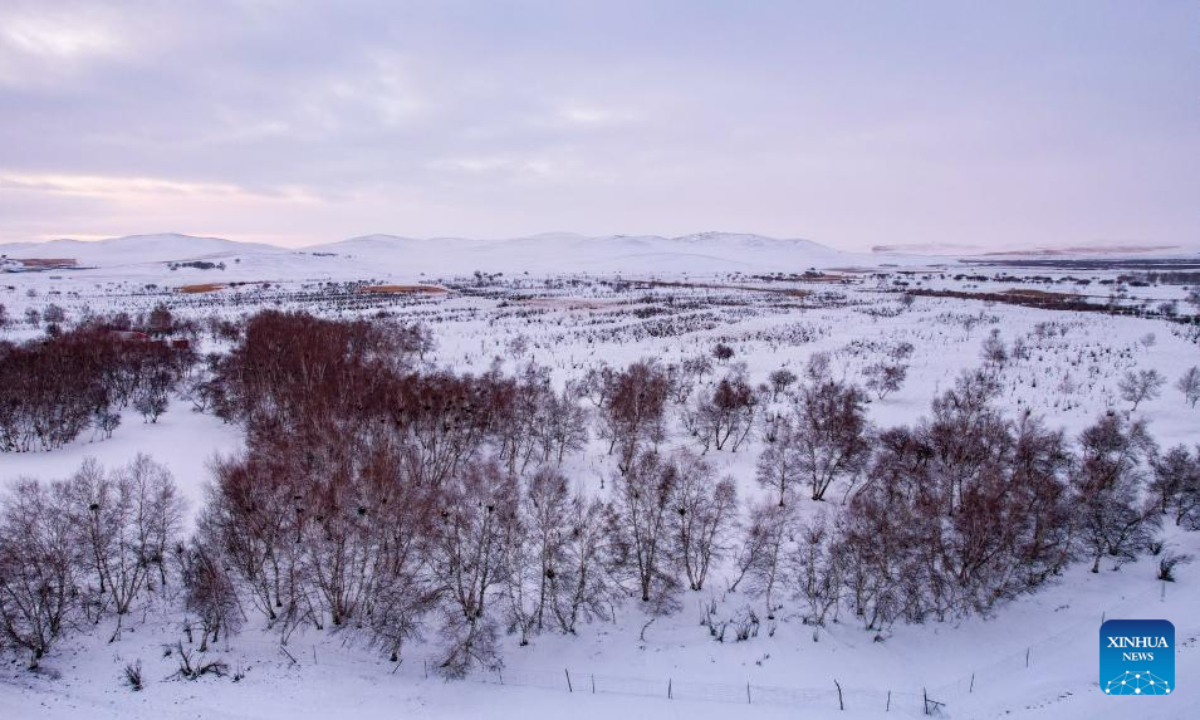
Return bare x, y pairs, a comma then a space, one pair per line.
479, 507
54, 314
124, 523
994, 351
817, 369
831, 434
704, 509
1189, 385
534, 549
1176, 485
1142, 385
761, 561
581, 584
633, 415
778, 468
781, 380
38, 568
816, 570
726, 414
697, 366
210, 593
1113, 520
641, 528
885, 377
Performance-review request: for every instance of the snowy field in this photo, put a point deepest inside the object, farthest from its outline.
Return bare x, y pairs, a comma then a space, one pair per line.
1033, 657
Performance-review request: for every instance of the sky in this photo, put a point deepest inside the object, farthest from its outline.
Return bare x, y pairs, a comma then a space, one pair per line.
854, 124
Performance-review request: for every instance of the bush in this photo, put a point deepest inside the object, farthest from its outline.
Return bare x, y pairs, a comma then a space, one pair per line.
1168, 563
133, 676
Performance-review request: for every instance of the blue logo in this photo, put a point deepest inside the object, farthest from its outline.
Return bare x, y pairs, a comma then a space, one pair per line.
1137, 657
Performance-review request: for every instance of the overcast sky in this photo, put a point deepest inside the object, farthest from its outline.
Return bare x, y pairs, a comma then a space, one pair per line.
995, 124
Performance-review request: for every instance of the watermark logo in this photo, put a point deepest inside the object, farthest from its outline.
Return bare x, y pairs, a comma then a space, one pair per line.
1137, 657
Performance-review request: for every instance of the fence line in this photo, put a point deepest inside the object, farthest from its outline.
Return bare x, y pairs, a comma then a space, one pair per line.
574, 681
1028, 656
835, 696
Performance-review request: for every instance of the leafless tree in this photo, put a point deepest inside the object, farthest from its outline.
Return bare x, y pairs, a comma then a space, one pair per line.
1140, 386
704, 510
479, 505
725, 415
761, 560
1113, 520
994, 352
831, 435
125, 524
818, 368
641, 528
697, 366
781, 380
1189, 385
885, 378
39, 581
209, 593
633, 415
816, 569
534, 549
1176, 485
778, 468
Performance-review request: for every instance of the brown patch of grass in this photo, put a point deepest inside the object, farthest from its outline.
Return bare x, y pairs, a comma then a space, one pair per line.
404, 289
1042, 294
50, 263
201, 288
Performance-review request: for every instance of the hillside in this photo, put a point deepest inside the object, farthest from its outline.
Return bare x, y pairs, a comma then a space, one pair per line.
132, 249
395, 256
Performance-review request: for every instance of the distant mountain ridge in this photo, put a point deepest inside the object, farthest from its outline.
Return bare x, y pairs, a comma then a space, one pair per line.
165, 247
381, 254
550, 252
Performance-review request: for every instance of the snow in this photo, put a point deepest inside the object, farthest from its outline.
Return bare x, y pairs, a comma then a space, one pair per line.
572, 327
135, 249
566, 252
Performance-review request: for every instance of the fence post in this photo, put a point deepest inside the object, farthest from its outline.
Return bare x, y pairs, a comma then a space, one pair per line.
593, 684
569, 688
925, 697
425, 664
889, 704
972, 688
669, 697
1027, 657
841, 705
748, 694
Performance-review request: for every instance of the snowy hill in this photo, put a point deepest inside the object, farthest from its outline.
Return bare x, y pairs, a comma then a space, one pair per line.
407, 258
166, 247
1064, 252
567, 252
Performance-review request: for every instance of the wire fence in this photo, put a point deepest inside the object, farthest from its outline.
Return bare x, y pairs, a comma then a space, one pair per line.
1002, 670
837, 696
913, 702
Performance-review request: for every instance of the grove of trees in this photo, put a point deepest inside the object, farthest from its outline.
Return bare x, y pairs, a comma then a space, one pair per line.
392, 501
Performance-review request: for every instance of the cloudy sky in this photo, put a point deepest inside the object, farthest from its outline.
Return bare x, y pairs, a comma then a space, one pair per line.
996, 124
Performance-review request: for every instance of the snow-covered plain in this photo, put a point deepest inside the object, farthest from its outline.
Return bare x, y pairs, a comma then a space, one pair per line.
570, 303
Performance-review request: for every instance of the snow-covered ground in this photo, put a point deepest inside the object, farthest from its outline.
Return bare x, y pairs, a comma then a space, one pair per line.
1036, 658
